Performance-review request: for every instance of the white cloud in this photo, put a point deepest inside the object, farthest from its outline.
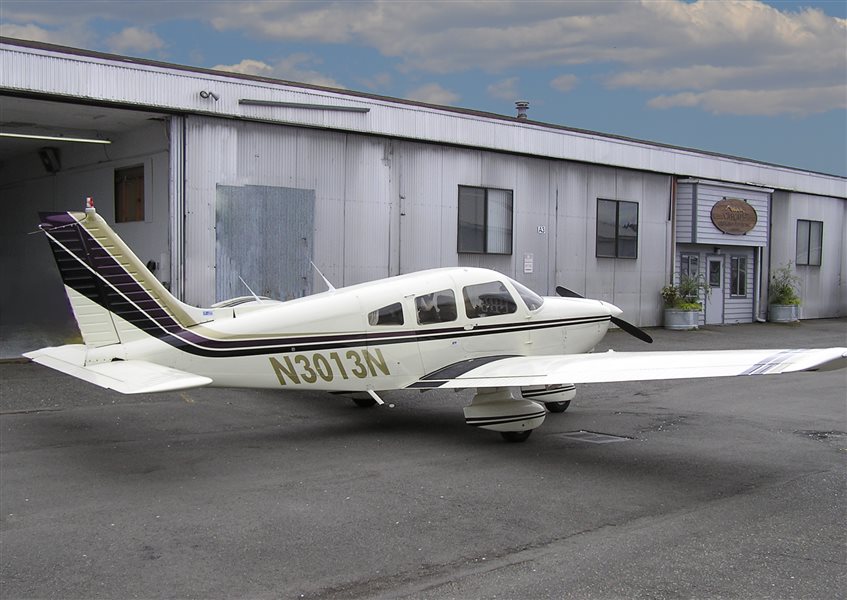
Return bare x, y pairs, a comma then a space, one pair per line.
669, 47
505, 89
797, 102
134, 39
291, 68
433, 93
564, 83
35, 33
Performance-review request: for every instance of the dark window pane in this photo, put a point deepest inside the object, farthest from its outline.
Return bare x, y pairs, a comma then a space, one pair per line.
606, 224
627, 230
802, 242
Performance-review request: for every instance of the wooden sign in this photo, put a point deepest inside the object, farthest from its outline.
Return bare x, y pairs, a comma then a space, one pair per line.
734, 216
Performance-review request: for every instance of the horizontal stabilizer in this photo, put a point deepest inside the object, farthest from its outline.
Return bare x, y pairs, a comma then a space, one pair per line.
124, 376
631, 366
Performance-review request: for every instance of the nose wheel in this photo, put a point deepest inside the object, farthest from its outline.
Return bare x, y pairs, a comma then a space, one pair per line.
515, 437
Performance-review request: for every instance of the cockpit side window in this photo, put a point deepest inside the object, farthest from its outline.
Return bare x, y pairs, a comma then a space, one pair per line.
532, 300
387, 315
437, 307
488, 300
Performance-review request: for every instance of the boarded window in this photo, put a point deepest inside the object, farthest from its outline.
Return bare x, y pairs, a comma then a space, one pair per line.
485, 220
129, 194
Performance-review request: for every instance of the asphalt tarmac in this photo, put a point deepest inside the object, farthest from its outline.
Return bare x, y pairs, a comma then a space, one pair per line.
730, 488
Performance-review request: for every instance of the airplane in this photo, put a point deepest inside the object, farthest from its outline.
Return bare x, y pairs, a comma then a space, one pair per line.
442, 328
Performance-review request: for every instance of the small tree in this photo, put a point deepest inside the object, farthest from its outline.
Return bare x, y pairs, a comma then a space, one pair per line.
686, 294
784, 286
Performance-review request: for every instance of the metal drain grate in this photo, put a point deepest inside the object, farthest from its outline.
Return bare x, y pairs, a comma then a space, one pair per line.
592, 437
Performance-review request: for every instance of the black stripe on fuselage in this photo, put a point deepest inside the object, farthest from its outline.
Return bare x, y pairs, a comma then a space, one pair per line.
79, 256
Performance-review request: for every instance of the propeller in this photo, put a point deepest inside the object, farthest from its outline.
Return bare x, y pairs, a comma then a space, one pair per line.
626, 326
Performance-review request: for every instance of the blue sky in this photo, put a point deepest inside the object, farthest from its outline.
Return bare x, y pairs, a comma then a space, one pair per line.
766, 81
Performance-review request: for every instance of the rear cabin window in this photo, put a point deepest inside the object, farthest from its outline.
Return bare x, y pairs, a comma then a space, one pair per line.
437, 307
488, 300
387, 315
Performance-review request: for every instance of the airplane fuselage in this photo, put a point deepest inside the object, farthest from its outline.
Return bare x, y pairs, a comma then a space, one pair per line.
381, 335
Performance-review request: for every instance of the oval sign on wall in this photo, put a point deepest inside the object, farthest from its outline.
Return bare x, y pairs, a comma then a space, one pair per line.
734, 216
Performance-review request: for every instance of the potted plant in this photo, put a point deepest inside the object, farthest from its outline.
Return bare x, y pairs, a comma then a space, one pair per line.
682, 304
784, 304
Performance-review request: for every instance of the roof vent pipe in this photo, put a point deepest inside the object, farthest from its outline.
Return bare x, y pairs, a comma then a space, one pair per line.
522, 106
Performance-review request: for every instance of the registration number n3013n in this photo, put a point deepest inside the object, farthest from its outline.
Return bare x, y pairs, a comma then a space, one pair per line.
344, 364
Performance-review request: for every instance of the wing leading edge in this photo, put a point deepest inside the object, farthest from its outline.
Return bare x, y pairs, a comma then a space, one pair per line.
613, 366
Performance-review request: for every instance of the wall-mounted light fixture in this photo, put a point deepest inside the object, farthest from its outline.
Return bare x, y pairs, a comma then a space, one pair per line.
54, 138
206, 95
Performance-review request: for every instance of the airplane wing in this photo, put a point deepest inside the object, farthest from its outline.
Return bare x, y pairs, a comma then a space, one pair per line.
125, 376
509, 371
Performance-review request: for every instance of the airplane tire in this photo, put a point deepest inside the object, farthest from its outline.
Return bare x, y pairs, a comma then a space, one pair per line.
557, 407
364, 402
516, 436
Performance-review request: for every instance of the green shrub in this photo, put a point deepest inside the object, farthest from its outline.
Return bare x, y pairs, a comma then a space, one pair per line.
784, 284
686, 294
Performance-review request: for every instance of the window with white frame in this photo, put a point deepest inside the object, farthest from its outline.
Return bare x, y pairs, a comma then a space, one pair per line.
617, 229
738, 276
689, 265
485, 220
809, 242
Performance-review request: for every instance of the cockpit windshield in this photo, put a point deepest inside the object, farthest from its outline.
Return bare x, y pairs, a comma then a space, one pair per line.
532, 300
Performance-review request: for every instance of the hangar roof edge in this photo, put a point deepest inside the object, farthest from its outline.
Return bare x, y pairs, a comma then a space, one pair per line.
389, 100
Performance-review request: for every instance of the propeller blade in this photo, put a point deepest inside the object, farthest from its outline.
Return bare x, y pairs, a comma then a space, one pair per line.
632, 330
566, 293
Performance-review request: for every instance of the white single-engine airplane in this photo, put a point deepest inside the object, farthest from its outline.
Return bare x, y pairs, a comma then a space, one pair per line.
441, 328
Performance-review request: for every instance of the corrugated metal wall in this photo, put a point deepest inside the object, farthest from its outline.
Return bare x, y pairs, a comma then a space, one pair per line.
385, 206
823, 289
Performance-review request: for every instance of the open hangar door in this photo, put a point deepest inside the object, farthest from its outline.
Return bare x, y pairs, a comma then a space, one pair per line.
128, 178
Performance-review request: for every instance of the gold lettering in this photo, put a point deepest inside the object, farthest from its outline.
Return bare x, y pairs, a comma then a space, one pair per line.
309, 376
323, 367
334, 356
376, 359
284, 371
360, 370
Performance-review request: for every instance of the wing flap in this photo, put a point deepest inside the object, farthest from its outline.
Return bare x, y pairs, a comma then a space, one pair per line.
124, 376
612, 366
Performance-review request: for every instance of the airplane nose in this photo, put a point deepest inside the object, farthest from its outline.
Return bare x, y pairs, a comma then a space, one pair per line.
613, 310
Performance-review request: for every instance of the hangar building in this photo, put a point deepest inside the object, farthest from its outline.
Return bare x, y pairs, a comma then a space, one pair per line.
213, 177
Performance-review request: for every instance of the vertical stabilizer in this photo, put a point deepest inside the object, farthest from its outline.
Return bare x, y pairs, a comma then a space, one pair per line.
115, 298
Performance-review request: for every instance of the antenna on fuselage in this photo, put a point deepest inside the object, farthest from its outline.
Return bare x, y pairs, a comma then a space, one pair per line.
252, 293
326, 281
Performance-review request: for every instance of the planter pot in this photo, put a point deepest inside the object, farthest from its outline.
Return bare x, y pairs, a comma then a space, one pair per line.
783, 313
681, 320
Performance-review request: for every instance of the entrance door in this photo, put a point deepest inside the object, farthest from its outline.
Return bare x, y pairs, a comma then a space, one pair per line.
714, 303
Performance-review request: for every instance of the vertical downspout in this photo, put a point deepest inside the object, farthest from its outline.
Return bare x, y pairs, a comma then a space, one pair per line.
672, 217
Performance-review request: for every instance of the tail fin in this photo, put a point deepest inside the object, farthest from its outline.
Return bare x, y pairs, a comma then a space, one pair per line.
115, 298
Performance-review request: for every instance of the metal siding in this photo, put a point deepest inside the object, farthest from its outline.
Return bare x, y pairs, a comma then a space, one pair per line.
154, 86
707, 233
177, 206
264, 236
424, 190
823, 290
367, 214
575, 219
738, 310
684, 212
